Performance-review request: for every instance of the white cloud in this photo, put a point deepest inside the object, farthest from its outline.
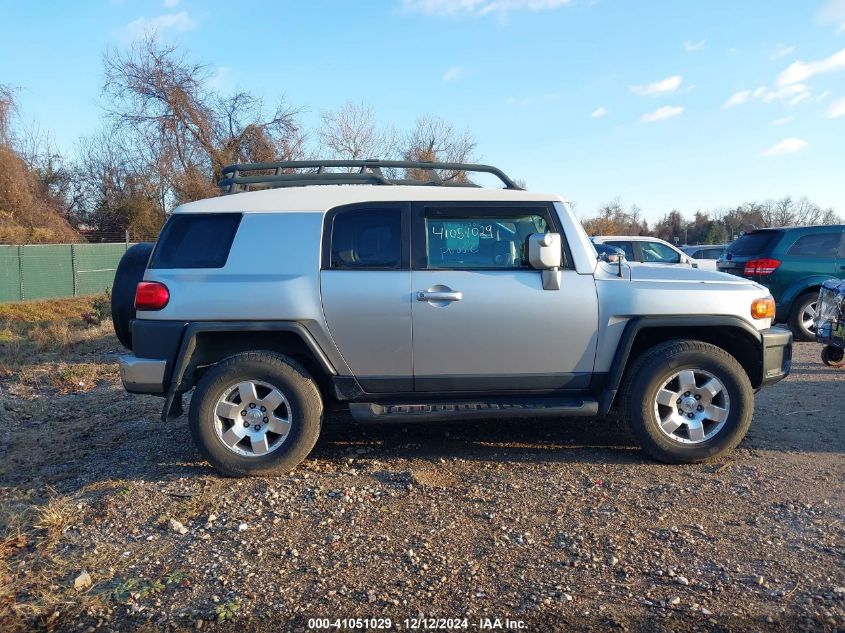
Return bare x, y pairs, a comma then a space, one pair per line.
169, 21
783, 120
599, 112
801, 71
478, 7
836, 109
793, 94
169, 4
786, 146
833, 12
691, 47
823, 96
670, 84
662, 113
781, 51
738, 98
453, 74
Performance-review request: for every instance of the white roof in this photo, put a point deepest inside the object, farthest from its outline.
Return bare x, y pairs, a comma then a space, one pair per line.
319, 198
630, 238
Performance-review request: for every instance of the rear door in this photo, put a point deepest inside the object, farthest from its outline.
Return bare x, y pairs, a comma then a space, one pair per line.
365, 287
482, 320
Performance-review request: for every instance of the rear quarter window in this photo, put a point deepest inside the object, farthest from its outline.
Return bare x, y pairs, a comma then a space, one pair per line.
196, 240
754, 243
824, 245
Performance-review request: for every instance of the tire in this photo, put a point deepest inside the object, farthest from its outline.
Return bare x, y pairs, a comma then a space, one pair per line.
651, 377
129, 272
833, 356
802, 304
233, 443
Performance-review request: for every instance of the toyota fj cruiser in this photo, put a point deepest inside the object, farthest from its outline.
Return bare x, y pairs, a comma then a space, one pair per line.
424, 297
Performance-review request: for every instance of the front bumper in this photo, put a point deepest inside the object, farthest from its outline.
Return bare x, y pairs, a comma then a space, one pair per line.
142, 375
777, 355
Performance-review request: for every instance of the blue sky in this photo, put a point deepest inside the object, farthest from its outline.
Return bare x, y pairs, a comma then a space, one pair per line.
666, 104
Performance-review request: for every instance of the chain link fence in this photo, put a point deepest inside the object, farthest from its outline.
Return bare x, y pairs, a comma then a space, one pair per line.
47, 271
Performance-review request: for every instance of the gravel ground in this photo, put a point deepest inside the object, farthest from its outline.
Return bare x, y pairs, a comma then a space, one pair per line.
115, 523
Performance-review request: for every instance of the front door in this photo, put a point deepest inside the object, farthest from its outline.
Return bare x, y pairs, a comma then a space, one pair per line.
481, 318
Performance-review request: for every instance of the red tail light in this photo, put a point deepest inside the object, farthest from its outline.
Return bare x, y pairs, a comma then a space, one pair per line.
151, 295
761, 266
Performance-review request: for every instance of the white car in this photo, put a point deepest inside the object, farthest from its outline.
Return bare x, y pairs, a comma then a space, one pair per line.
642, 248
705, 254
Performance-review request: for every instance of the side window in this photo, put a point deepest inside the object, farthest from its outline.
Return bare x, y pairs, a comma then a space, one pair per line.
660, 253
195, 240
818, 245
366, 239
473, 241
628, 247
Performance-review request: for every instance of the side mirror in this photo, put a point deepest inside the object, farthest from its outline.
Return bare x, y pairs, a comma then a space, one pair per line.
545, 254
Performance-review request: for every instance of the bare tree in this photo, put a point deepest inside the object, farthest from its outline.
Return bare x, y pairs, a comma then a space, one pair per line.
162, 102
29, 210
353, 133
613, 219
434, 139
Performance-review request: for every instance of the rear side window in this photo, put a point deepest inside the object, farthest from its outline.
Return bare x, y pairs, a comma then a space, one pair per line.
818, 245
366, 239
196, 240
754, 243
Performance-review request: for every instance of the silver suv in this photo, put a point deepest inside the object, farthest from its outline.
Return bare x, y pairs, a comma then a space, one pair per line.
401, 291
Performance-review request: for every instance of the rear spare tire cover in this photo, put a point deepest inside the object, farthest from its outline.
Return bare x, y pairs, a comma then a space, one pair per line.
129, 272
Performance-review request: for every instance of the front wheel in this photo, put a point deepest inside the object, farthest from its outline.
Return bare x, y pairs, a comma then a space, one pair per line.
256, 413
687, 401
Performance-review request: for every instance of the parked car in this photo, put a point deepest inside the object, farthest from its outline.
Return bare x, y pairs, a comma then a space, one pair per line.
275, 304
706, 255
792, 263
609, 253
640, 248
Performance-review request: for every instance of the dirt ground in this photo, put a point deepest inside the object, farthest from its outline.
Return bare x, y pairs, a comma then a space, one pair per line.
545, 525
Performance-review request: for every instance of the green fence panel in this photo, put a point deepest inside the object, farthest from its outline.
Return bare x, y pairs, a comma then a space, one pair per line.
10, 274
47, 271
95, 265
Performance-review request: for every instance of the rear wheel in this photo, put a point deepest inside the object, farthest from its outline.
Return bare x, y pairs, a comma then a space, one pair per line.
129, 272
256, 413
803, 313
687, 401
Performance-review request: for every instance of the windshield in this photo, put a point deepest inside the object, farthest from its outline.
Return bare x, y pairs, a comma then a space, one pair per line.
754, 243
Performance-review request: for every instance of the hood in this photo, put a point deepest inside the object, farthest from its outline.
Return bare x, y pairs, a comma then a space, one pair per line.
664, 272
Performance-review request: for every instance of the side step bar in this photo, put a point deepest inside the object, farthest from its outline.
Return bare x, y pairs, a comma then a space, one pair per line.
434, 411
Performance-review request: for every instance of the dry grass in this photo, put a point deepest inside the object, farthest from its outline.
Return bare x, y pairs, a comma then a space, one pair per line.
42, 331
48, 348
31, 312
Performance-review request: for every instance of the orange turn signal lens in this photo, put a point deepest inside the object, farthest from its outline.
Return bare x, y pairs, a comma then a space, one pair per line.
763, 308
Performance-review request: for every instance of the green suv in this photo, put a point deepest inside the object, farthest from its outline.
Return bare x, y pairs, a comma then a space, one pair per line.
792, 263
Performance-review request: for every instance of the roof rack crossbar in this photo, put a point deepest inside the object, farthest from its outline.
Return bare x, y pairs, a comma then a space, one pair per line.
370, 172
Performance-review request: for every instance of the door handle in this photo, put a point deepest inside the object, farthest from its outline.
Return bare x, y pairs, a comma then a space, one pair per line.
439, 295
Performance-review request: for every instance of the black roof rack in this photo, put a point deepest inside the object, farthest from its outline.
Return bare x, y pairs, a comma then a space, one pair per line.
250, 176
